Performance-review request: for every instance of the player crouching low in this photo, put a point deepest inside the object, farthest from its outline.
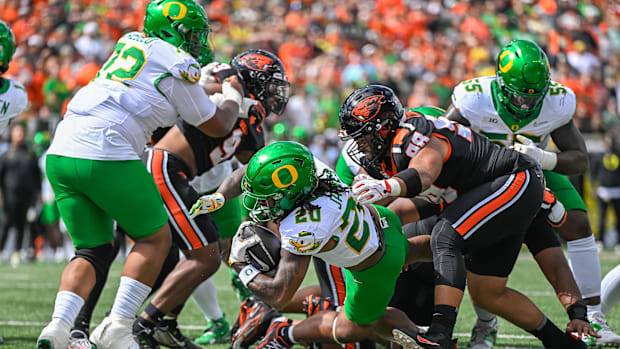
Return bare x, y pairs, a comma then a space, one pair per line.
316, 215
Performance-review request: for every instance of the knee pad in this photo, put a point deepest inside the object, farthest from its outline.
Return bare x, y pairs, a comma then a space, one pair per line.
448, 246
99, 257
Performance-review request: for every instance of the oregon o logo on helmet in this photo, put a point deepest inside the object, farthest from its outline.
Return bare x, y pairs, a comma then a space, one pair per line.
276, 179
505, 68
180, 14
368, 108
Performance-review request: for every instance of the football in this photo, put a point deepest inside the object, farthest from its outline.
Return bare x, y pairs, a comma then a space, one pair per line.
265, 255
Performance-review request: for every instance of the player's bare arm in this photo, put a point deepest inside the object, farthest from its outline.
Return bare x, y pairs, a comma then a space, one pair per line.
453, 114
277, 291
573, 155
226, 114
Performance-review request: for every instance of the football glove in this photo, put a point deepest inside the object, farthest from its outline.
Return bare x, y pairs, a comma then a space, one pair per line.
207, 204
241, 242
556, 212
546, 159
368, 191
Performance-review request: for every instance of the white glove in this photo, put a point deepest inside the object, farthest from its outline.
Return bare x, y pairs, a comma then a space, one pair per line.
546, 159
207, 204
245, 106
240, 243
368, 191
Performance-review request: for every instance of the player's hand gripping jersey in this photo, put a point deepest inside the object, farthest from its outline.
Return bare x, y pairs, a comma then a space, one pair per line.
247, 134
470, 153
474, 100
337, 217
146, 83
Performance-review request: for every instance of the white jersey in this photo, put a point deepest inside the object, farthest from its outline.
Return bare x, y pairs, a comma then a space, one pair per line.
13, 100
113, 117
338, 217
474, 101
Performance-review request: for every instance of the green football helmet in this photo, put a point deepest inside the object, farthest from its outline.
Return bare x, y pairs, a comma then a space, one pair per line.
277, 178
522, 78
7, 46
182, 23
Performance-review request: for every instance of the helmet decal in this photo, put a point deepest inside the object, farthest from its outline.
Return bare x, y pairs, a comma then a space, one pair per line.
276, 178
505, 68
368, 108
256, 62
182, 10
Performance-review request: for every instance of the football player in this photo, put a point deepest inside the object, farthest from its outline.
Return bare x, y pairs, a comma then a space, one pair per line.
521, 107
13, 96
185, 152
316, 215
478, 185
94, 161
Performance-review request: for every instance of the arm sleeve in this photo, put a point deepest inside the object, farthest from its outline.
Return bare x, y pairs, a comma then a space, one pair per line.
190, 100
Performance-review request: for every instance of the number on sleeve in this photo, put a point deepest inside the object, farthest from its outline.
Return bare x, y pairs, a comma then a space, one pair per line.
352, 240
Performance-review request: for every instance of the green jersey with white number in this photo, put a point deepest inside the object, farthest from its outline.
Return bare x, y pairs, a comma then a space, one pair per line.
474, 101
113, 117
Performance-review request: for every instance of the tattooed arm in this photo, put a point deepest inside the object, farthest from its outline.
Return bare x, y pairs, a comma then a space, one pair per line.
277, 291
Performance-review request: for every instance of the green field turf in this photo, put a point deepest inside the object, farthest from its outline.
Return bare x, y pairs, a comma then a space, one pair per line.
27, 296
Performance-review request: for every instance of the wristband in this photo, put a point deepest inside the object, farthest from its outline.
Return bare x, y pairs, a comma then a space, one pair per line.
578, 310
393, 187
411, 177
548, 160
247, 274
230, 93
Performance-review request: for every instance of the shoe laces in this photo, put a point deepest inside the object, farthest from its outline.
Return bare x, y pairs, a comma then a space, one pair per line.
79, 340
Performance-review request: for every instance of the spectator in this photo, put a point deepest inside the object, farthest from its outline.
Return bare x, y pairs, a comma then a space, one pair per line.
606, 172
20, 183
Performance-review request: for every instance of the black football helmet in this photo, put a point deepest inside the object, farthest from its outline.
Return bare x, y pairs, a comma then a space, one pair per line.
370, 116
265, 78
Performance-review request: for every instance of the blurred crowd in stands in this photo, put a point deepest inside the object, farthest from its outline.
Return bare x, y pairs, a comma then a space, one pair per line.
421, 48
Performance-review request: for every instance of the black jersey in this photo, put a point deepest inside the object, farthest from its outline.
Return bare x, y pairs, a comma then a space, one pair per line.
472, 159
247, 134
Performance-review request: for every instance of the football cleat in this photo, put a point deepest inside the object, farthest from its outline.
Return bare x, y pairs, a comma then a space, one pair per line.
78, 339
114, 332
277, 335
252, 323
241, 290
484, 334
608, 336
313, 304
217, 331
167, 333
410, 340
54, 336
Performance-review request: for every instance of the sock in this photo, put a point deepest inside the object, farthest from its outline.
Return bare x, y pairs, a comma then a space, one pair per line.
67, 306
610, 289
444, 318
142, 325
585, 265
290, 334
129, 297
548, 333
205, 297
484, 315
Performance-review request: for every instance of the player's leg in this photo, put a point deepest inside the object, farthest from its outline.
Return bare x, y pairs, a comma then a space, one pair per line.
582, 252
474, 222
90, 194
227, 219
197, 239
610, 289
127, 193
